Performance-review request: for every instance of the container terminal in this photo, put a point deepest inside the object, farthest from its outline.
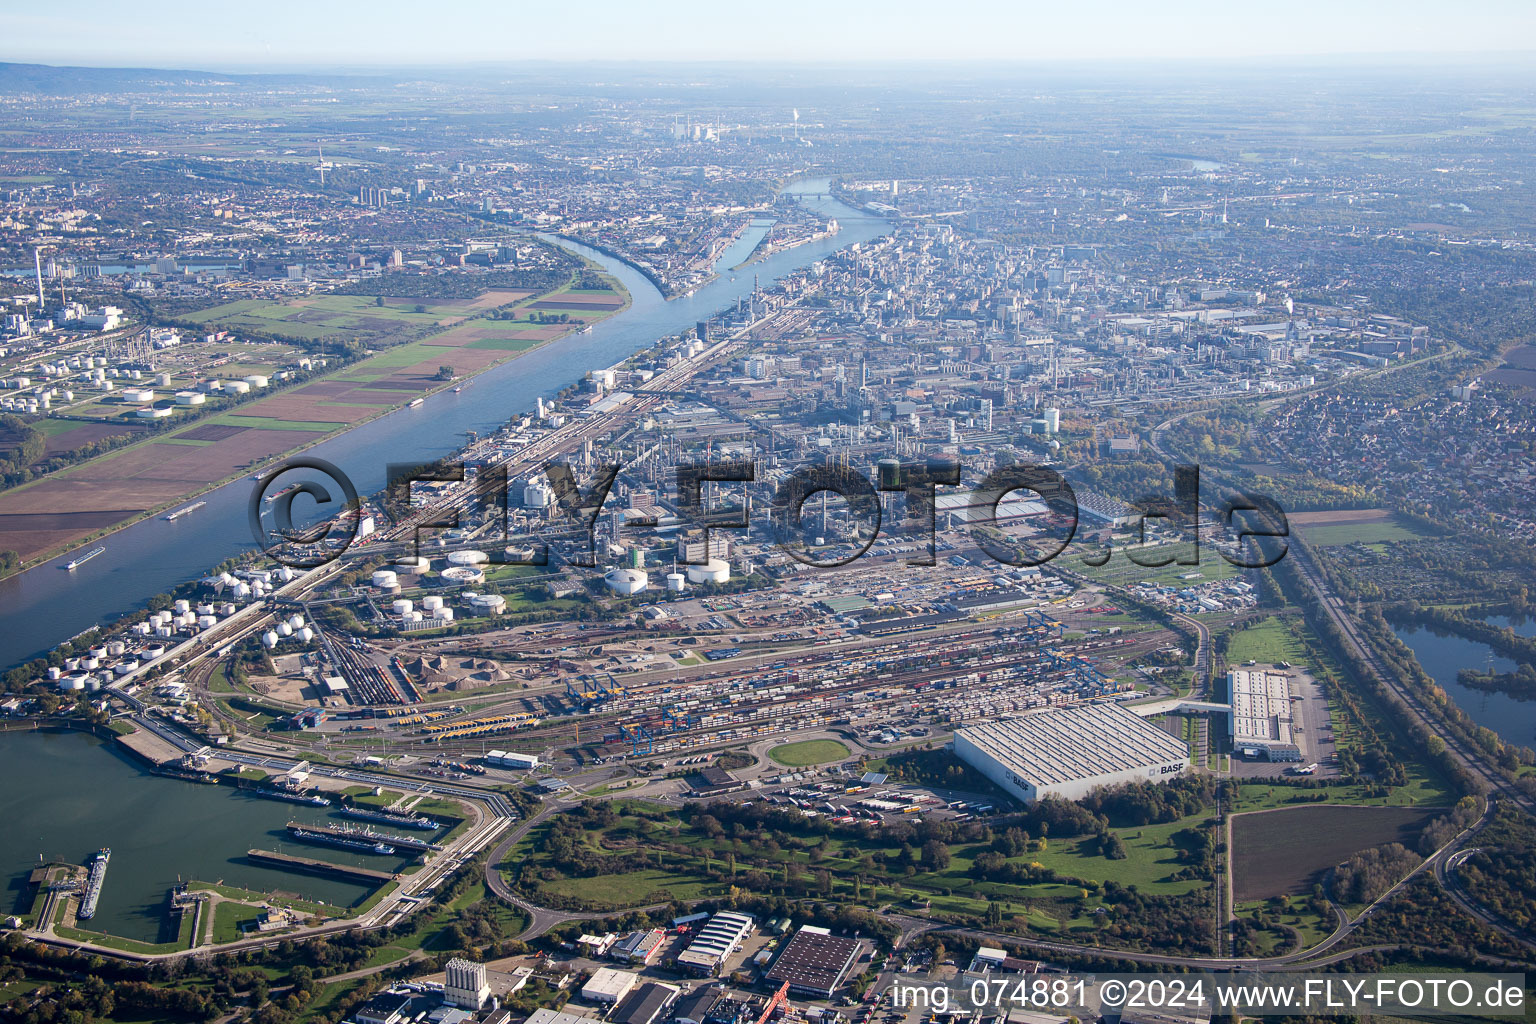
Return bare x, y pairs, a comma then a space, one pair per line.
93, 884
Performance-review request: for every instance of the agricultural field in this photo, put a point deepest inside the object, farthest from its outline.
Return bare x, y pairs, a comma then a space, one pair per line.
1287, 851
1379, 530
163, 469
360, 317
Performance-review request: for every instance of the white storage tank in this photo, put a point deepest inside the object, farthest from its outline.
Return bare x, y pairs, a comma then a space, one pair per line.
626, 581
445, 614
402, 606
154, 651
283, 629
269, 638
386, 578
676, 582
182, 606
432, 603
488, 604
206, 621
717, 570
296, 621
163, 632
256, 380
467, 558
412, 616
306, 634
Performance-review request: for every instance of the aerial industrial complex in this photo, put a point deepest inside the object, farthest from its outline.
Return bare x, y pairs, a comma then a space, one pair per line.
1067, 753
1261, 712
729, 549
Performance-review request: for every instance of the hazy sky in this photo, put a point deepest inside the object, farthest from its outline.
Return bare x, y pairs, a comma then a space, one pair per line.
214, 34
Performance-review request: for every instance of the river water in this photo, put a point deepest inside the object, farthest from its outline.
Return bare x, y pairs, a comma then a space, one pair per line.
66, 795
1444, 656
46, 605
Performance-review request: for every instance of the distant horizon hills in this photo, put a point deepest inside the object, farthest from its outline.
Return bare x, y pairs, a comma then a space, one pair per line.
65, 79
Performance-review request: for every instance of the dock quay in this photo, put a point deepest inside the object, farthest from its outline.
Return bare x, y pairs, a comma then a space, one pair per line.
372, 835
313, 866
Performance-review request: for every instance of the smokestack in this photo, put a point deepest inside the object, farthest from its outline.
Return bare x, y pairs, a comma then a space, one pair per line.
37, 261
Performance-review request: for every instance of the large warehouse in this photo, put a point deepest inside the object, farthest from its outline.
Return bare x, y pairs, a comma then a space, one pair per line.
815, 962
1261, 713
1069, 752
715, 943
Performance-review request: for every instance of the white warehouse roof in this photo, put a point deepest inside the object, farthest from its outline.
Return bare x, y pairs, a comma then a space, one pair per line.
716, 941
1069, 751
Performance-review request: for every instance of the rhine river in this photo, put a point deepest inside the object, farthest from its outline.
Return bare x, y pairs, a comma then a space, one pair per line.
69, 794
46, 605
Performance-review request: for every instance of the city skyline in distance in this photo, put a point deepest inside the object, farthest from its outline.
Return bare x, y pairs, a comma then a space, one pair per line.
290, 35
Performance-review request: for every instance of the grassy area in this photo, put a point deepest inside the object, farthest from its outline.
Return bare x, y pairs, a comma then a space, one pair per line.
1120, 570
234, 892
1374, 532
229, 919
635, 888
808, 752
1267, 641
183, 939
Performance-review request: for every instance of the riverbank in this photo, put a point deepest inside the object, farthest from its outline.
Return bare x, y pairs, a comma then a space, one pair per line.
39, 610
360, 368
766, 249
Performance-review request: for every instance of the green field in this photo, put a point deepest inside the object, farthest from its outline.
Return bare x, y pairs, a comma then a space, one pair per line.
1377, 532
635, 888
1120, 570
808, 752
1267, 641
228, 918
327, 315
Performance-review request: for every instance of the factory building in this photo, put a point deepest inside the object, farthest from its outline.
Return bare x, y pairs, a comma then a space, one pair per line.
512, 759
715, 943
646, 1004
608, 985
814, 963
465, 984
1261, 713
1071, 751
